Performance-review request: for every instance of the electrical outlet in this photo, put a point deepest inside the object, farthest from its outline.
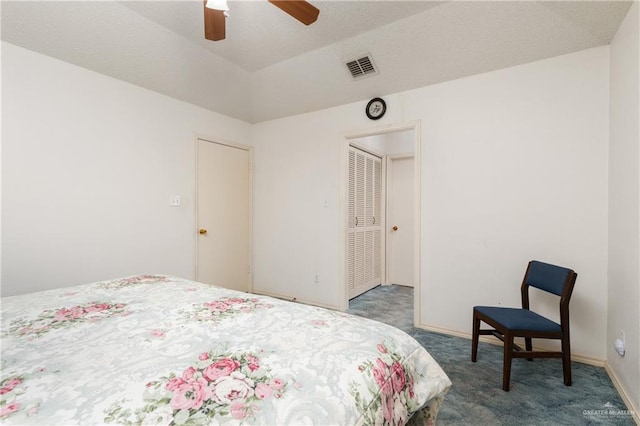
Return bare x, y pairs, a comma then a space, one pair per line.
317, 279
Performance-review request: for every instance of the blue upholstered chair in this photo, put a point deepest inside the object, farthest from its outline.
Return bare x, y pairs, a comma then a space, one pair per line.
509, 323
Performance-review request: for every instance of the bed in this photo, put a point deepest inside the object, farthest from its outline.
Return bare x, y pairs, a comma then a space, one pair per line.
154, 349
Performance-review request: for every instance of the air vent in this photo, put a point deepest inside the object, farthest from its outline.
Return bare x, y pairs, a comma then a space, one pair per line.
363, 67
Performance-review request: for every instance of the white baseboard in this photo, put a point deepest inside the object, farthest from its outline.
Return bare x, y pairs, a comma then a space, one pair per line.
295, 299
635, 411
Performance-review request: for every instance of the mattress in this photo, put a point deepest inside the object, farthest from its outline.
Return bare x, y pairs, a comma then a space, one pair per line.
155, 349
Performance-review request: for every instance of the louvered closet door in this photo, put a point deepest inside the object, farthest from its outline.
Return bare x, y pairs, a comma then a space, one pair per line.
364, 222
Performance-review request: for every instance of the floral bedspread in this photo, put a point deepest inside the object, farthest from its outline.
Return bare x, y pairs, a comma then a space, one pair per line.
153, 349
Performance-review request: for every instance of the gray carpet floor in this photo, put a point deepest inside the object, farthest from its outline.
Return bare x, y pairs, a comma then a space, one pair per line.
538, 395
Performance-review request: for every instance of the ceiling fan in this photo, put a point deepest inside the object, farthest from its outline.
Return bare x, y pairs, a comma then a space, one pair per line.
215, 13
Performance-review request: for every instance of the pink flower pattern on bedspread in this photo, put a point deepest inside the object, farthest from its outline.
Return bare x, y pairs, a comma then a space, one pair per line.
392, 399
216, 388
224, 307
134, 280
9, 388
63, 317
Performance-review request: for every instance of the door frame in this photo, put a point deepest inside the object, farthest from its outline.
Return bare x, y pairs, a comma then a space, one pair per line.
247, 148
347, 139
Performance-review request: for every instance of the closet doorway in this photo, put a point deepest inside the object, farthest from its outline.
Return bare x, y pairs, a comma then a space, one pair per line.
365, 220
399, 150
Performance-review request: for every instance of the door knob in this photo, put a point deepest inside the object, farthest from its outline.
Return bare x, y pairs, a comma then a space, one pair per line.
395, 228
202, 231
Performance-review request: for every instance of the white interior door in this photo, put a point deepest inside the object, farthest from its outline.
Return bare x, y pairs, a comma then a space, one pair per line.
400, 230
223, 215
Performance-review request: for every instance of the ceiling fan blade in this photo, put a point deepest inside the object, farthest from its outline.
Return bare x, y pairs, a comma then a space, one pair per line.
299, 9
214, 24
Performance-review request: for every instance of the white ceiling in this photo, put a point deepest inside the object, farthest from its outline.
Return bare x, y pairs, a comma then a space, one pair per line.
272, 66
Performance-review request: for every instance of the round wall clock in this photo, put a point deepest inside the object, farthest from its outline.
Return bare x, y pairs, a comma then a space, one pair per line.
376, 108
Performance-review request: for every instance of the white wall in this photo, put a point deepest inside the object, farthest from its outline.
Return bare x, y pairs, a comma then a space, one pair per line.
88, 166
296, 202
624, 205
514, 167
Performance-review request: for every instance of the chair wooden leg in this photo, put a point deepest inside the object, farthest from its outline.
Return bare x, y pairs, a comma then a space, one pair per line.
528, 346
506, 368
566, 361
475, 337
